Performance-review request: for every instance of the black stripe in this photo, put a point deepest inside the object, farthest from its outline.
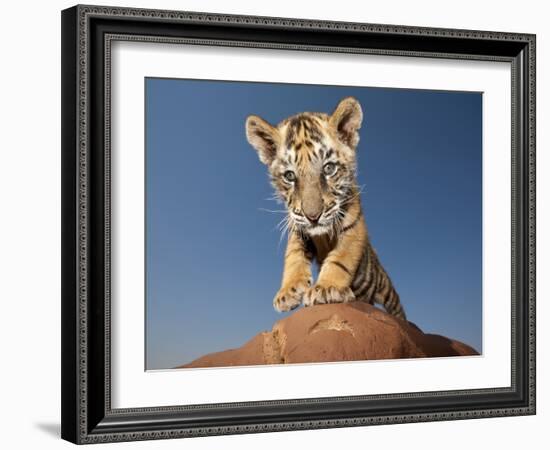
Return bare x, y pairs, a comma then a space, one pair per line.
315, 136
368, 263
387, 287
389, 302
372, 288
380, 281
400, 312
368, 278
358, 281
351, 225
341, 266
323, 180
360, 273
361, 290
291, 135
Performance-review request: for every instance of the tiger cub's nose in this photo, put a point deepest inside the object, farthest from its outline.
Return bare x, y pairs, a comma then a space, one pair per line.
313, 217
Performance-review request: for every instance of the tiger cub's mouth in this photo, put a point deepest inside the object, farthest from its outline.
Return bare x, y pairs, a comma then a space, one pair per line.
326, 224
318, 229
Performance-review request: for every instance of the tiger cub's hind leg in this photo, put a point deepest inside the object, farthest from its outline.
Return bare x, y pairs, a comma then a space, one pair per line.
391, 303
371, 284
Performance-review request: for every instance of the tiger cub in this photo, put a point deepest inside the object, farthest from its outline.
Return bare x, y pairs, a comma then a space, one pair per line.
312, 165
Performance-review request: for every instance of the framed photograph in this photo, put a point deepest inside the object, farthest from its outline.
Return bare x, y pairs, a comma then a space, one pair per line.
282, 224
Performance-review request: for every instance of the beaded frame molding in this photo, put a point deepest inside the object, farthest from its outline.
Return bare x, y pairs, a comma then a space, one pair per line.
87, 34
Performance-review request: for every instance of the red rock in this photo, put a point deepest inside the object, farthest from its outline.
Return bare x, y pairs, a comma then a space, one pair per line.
337, 332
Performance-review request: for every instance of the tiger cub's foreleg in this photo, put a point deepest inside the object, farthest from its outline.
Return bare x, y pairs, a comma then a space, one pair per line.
296, 275
340, 264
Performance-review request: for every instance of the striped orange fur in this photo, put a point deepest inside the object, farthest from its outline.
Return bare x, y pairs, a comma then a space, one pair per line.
311, 158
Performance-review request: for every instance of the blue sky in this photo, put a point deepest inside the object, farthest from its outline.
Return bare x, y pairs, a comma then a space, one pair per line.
214, 256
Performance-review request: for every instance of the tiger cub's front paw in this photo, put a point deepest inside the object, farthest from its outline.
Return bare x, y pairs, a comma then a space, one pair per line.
290, 297
319, 295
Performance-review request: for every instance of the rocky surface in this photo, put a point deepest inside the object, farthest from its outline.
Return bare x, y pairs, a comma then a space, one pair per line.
337, 332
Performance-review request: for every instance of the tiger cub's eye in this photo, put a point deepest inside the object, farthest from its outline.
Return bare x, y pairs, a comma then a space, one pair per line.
289, 176
329, 169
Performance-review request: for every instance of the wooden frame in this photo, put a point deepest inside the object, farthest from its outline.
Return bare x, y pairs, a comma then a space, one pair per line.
87, 416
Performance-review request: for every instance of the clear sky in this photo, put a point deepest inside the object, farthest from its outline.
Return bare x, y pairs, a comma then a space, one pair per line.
214, 256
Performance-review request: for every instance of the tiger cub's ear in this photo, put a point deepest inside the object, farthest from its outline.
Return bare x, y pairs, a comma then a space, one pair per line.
346, 120
263, 137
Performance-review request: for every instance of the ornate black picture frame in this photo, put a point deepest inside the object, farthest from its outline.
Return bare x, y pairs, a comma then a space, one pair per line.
87, 34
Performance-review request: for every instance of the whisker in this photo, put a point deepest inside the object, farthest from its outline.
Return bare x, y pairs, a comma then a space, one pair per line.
275, 198
282, 211
283, 221
346, 200
284, 229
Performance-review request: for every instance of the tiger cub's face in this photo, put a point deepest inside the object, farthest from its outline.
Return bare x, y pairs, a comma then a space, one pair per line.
311, 162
